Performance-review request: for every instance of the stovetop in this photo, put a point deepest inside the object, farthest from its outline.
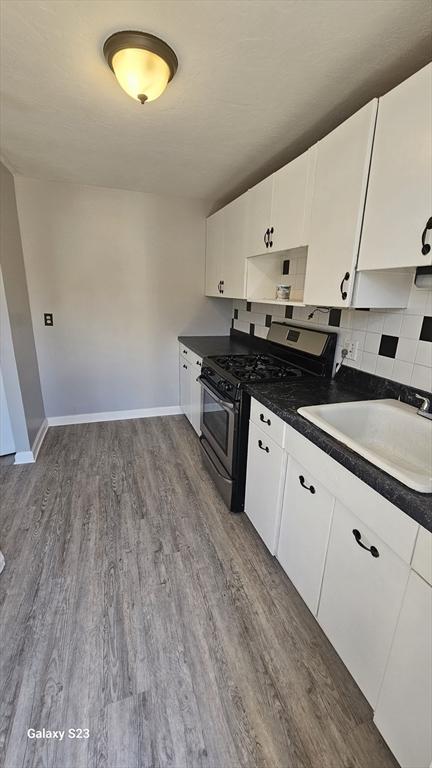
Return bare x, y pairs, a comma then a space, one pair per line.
226, 374
303, 353
255, 368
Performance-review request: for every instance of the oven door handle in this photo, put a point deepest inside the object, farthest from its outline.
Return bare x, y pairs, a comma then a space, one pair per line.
203, 448
223, 403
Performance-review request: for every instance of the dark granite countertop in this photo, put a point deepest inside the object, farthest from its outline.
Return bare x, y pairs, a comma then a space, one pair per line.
217, 345
284, 398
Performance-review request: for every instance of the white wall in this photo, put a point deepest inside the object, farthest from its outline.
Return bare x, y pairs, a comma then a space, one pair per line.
123, 274
20, 371
11, 379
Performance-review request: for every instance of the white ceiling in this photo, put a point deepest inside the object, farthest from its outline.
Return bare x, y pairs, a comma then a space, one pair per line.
258, 81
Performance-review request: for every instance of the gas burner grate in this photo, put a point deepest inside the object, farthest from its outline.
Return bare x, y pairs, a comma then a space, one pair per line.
255, 368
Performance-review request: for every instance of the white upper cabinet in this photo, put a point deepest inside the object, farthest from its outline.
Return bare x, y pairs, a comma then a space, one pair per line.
291, 202
214, 253
225, 251
234, 264
278, 208
399, 199
258, 217
341, 173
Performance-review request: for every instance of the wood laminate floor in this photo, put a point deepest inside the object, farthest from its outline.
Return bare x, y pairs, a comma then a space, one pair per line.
133, 604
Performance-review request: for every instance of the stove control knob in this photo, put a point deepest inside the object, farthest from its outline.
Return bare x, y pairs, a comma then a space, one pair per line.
227, 387
207, 372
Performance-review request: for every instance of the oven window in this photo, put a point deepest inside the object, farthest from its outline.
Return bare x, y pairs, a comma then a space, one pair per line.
216, 419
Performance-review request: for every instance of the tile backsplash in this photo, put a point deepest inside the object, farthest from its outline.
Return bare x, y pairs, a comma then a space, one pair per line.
395, 344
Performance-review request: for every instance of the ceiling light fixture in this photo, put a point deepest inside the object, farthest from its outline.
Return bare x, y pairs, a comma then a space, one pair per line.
142, 63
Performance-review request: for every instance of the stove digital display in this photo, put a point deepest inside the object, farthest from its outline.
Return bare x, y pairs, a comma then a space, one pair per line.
293, 335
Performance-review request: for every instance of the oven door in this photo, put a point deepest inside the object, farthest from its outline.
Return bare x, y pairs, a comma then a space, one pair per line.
218, 424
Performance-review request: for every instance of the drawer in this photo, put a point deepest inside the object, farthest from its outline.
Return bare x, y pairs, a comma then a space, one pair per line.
184, 351
304, 532
266, 420
265, 477
194, 360
393, 526
422, 558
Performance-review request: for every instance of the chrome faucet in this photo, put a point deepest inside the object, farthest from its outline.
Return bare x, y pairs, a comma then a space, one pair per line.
424, 408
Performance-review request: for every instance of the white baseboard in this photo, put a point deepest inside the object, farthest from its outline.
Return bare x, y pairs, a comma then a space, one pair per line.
24, 457
89, 418
39, 438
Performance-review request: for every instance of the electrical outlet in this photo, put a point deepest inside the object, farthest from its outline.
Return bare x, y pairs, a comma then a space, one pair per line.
48, 318
352, 347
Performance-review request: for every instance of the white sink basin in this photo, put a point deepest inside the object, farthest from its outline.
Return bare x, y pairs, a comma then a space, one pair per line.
388, 433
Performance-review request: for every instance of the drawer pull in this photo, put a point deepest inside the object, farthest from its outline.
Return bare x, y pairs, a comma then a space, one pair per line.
266, 421
263, 447
184, 366
185, 351
373, 550
198, 363
303, 484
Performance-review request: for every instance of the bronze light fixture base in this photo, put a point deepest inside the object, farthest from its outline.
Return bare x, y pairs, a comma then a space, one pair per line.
132, 39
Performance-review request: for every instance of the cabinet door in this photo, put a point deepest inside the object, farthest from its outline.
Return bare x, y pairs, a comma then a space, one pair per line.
305, 526
291, 204
360, 600
341, 172
214, 253
399, 198
258, 215
264, 485
404, 711
234, 260
195, 399
185, 388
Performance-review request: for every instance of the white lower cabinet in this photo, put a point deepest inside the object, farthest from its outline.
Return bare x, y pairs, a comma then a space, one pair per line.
185, 387
265, 477
361, 598
404, 711
362, 567
304, 532
195, 402
190, 389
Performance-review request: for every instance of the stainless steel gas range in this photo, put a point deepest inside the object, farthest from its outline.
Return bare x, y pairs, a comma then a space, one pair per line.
288, 353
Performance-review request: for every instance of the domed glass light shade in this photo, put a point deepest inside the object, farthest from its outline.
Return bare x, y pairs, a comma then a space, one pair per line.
142, 63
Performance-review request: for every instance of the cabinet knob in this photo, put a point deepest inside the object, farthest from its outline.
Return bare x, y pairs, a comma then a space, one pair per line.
373, 550
309, 488
344, 279
425, 246
263, 447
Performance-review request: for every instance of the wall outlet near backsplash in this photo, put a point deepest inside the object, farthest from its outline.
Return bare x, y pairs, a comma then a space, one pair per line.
351, 348
394, 344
